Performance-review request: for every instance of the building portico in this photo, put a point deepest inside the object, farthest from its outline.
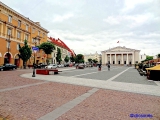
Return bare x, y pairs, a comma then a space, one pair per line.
120, 55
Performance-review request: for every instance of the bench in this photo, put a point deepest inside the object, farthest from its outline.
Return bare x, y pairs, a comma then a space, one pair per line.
46, 71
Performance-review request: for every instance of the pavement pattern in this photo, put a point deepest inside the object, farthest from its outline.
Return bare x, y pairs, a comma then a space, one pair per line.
79, 94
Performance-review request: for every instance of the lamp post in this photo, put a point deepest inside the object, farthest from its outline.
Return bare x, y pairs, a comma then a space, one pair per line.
9, 41
34, 58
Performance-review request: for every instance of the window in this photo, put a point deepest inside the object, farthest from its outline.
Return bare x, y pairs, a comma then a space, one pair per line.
8, 44
10, 18
38, 33
43, 35
27, 27
18, 46
19, 23
26, 37
18, 34
9, 31
33, 30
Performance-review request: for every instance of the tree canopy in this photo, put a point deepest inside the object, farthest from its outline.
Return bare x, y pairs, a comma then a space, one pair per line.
25, 53
58, 58
47, 47
79, 58
66, 59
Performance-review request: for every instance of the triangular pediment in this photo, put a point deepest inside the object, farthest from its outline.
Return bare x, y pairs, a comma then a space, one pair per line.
119, 49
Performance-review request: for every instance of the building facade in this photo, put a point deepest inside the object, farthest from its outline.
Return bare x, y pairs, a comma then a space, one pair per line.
120, 55
95, 56
65, 50
14, 29
142, 57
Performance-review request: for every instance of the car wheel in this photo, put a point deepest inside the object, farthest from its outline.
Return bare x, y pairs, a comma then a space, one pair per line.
2, 69
13, 68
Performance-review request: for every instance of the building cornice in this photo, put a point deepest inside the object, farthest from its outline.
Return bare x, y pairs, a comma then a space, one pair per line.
25, 18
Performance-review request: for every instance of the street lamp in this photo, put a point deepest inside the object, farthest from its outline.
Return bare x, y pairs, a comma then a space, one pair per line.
9, 41
34, 58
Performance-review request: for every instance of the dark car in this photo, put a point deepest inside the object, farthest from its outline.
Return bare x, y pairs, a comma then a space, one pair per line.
1, 68
9, 66
41, 65
66, 65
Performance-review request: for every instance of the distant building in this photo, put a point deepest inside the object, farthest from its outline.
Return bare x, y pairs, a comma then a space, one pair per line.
95, 56
65, 50
120, 55
142, 57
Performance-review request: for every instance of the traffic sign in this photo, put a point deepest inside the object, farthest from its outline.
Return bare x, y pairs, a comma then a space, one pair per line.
35, 49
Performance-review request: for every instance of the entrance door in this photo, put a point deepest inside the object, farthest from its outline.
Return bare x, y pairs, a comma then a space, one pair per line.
7, 58
124, 62
113, 62
119, 62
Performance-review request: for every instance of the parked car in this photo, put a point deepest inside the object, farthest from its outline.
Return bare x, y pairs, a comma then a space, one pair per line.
66, 65
41, 65
9, 66
80, 66
51, 66
60, 65
1, 67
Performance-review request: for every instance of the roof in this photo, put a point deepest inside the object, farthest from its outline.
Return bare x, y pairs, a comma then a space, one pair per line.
60, 43
157, 67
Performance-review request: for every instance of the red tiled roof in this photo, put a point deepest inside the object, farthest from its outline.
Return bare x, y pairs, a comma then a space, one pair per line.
60, 43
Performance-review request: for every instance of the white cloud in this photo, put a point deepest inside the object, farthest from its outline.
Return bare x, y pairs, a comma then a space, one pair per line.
60, 18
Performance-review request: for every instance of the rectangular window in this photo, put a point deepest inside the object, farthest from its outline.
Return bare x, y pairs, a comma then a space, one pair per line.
26, 37
9, 31
19, 23
38, 33
10, 18
43, 35
18, 46
8, 44
27, 27
18, 34
33, 30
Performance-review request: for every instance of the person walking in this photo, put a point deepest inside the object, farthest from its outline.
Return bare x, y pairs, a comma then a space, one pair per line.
99, 67
108, 66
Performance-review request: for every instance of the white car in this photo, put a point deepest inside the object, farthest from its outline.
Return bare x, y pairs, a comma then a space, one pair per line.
51, 66
60, 65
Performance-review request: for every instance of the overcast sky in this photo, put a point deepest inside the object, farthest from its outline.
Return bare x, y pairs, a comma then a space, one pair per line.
87, 26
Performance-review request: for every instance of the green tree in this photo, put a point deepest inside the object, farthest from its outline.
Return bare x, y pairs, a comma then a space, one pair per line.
79, 58
149, 58
94, 60
25, 53
66, 59
89, 60
158, 56
48, 48
72, 58
58, 58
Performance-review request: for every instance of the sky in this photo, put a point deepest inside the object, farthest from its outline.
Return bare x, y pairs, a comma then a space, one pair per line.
87, 26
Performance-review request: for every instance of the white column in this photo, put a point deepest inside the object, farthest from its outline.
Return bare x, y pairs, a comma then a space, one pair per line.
115, 59
2, 29
110, 58
127, 58
133, 58
122, 59
106, 58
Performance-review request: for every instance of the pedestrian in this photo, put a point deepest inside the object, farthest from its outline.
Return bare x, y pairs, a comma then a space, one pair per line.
99, 67
108, 66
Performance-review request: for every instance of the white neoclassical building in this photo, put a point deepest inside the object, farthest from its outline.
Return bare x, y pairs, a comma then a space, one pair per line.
120, 55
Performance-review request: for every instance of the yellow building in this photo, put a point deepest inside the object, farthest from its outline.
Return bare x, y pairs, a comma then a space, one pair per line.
15, 28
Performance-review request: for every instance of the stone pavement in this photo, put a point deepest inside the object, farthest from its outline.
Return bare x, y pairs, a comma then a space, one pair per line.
127, 80
86, 94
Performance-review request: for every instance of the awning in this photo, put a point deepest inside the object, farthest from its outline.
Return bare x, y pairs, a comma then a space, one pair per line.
157, 67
